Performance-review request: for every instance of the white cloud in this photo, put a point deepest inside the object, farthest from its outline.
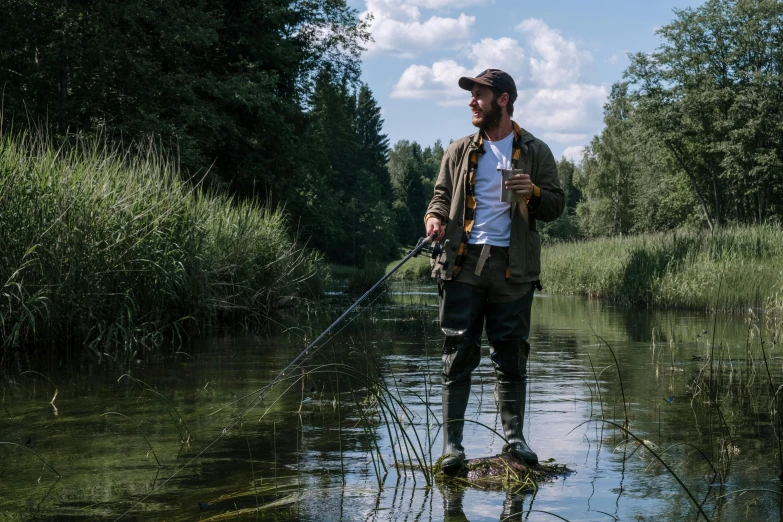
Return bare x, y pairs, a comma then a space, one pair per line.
547, 73
567, 109
443, 4
559, 61
502, 53
565, 137
440, 81
397, 27
574, 153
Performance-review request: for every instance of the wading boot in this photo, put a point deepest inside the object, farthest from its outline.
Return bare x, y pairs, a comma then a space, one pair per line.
455, 401
511, 403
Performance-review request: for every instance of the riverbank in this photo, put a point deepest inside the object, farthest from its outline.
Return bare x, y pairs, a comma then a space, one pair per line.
111, 249
731, 269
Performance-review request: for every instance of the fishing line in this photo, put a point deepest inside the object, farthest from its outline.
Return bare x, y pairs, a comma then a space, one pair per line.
316, 351
422, 245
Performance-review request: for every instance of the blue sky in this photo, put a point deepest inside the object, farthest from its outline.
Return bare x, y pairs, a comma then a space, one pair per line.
563, 54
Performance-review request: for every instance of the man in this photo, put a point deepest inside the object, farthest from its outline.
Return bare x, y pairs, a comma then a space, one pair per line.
490, 267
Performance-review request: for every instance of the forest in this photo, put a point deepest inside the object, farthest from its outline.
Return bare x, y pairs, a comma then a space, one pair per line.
257, 102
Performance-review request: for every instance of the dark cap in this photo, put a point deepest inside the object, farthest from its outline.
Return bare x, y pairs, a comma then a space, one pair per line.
495, 78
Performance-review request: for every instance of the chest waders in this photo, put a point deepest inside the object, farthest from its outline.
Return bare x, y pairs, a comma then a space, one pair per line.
479, 297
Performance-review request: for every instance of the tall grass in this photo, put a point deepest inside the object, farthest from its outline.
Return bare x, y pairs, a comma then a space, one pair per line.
110, 248
683, 269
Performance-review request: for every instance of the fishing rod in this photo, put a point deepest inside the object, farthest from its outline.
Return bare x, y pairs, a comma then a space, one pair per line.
425, 244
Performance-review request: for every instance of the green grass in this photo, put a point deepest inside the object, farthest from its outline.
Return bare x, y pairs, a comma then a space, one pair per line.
731, 269
357, 280
417, 269
111, 249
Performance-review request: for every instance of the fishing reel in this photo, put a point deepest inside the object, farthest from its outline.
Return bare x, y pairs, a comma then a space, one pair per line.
436, 251
431, 248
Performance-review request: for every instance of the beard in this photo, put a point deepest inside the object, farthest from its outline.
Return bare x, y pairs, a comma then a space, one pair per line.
489, 119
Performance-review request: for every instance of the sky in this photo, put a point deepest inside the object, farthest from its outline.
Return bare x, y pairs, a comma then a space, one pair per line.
563, 54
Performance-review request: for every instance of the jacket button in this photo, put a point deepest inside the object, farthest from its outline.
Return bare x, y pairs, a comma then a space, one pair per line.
460, 222
453, 247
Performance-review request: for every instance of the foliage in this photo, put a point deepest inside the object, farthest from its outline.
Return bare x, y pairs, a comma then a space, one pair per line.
566, 227
607, 171
694, 135
342, 195
413, 172
417, 269
711, 95
221, 82
262, 96
109, 248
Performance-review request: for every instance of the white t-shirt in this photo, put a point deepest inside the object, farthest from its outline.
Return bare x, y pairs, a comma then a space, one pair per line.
493, 217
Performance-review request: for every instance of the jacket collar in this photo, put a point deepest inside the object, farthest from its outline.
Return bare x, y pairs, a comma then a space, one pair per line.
520, 136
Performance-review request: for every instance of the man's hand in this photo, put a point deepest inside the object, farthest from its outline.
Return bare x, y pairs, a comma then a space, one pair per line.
434, 226
520, 184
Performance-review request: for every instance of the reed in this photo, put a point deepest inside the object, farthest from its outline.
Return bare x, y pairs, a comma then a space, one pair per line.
627, 423
646, 445
110, 248
682, 269
774, 409
37, 456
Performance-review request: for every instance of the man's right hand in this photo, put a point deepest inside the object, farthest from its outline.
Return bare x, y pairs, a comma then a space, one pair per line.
434, 226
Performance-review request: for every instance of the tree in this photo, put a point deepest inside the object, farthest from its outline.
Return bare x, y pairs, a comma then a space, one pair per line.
566, 227
324, 198
408, 170
431, 157
607, 170
377, 231
223, 84
711, 95
373, 144
342, 196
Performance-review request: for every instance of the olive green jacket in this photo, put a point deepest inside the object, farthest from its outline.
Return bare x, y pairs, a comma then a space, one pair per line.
448, 203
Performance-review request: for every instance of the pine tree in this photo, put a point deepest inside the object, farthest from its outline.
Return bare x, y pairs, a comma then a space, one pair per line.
373, 153
408, 171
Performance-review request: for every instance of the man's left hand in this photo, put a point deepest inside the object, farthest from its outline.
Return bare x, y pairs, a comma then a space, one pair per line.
520, 184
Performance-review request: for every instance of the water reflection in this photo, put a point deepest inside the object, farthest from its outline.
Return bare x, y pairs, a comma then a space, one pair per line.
454, 494
316, 449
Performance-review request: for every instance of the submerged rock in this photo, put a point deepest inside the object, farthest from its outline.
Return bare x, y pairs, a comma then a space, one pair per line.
504, 472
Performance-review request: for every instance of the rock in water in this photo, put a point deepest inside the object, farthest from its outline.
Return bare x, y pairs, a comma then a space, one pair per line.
504, 472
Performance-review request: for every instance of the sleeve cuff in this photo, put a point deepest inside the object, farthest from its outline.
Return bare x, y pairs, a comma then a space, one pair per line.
432, 214
535, 198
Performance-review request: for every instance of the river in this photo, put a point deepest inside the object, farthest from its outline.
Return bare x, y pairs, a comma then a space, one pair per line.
177, 434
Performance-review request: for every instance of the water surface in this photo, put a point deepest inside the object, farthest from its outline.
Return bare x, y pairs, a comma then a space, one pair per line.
311, 449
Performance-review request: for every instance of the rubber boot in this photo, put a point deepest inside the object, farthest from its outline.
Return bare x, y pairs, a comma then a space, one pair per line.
455, 402
511, 404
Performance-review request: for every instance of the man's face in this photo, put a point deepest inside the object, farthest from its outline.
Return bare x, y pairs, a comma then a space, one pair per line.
486, 111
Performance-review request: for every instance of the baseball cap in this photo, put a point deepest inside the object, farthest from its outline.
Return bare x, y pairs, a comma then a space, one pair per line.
494, 78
